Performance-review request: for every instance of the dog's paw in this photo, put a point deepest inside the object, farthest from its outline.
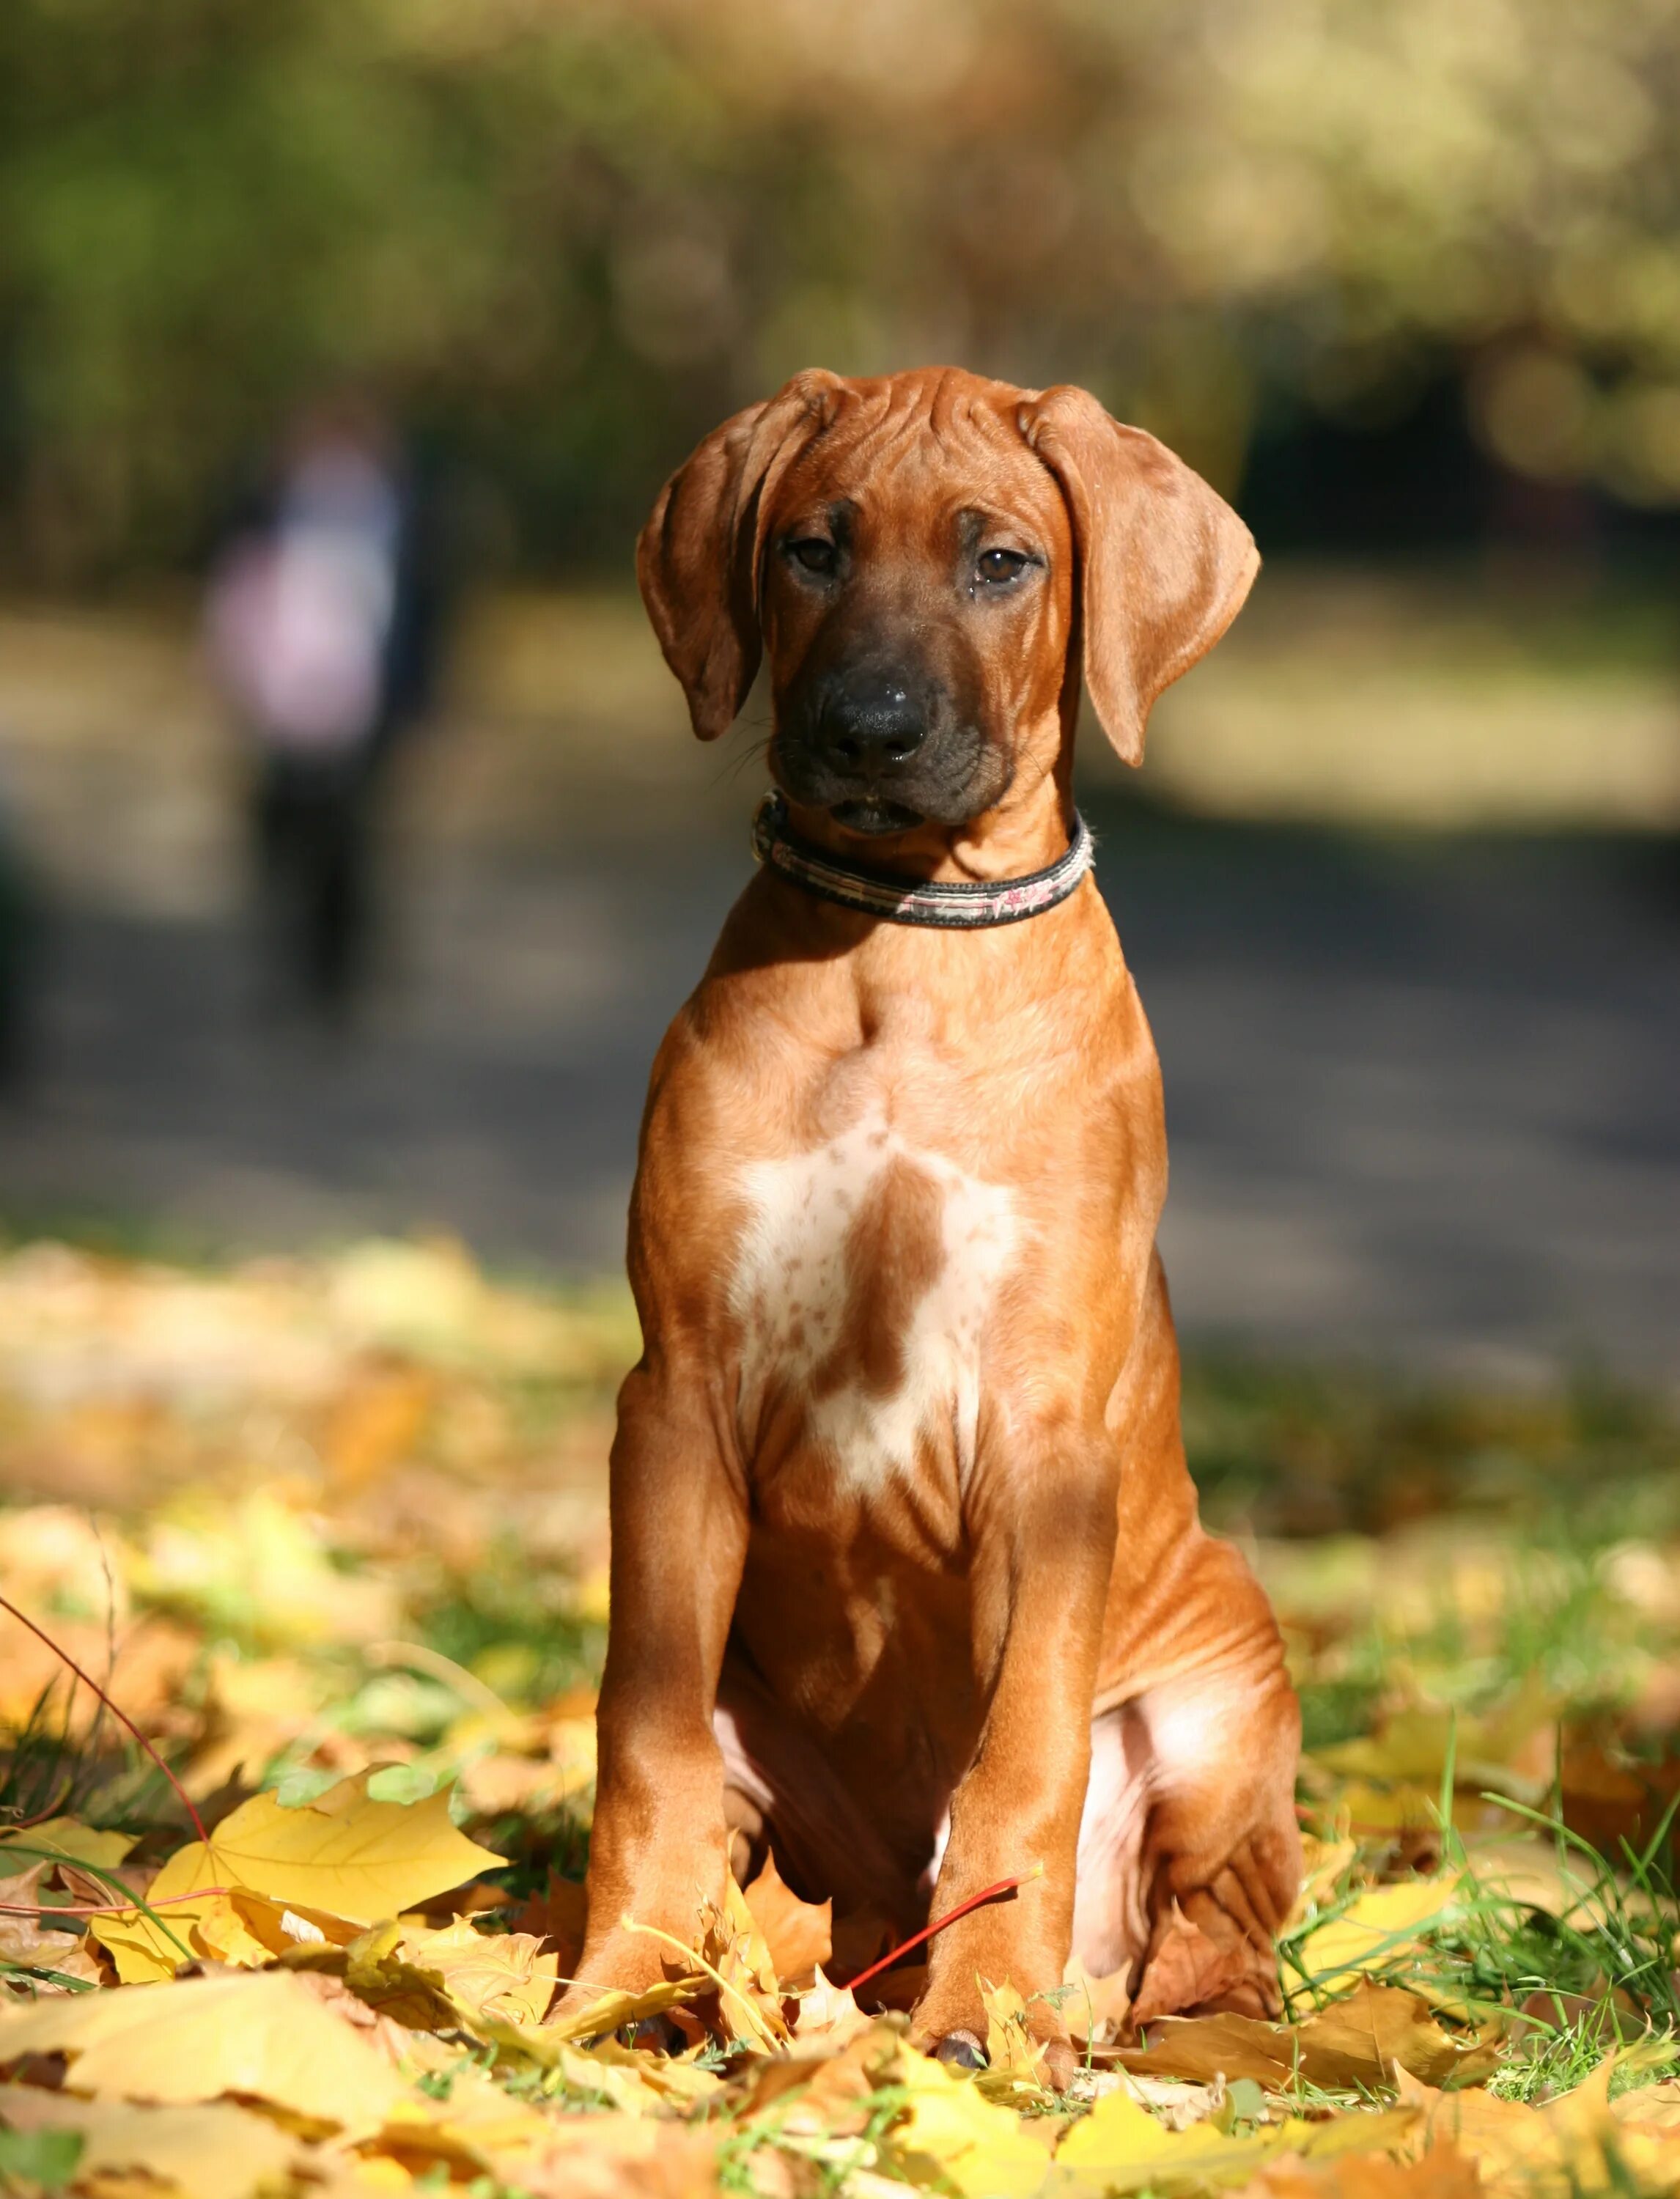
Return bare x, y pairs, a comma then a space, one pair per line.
623, 1962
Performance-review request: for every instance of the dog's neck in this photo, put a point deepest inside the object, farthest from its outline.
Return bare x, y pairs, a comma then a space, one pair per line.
948, 905
1030, 828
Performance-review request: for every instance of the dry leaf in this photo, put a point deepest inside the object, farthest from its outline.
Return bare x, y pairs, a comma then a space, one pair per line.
1096, 2009
1012, 2052
1372, 1932
750, 2006
828, 2015
1360, 2040
344, 1855
1322, 1864
73, 1842
503, 1974
1575, 2143
1653, 2107
558, 1914
264, 2035
799, 1935
611, 2012
1441, 2174
246, 1931
1121, 2147
1187, 1969
952, 2129
1509, 1749
210, 2152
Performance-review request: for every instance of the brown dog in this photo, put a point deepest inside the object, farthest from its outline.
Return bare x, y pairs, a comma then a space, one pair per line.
907, 1579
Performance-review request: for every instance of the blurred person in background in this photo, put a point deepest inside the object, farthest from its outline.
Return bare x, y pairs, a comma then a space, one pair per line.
323, 618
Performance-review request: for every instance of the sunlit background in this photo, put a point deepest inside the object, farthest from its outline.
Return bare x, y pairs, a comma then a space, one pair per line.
1399, 879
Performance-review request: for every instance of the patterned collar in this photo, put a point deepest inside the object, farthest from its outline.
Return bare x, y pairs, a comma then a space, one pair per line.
964, 907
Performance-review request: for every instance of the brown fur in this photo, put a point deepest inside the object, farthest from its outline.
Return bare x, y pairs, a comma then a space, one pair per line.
857, 1127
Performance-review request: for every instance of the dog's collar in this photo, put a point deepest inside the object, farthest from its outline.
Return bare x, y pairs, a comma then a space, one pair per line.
956, 907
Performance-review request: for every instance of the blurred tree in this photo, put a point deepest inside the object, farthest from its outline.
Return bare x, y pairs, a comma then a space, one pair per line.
565, 235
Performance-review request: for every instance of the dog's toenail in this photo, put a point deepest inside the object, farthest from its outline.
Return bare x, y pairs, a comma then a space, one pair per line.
960, 2050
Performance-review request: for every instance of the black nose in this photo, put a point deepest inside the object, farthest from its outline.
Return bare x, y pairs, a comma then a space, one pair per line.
872, 725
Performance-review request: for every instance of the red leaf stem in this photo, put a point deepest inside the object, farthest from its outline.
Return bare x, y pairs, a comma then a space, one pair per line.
105, 1908
975, 1901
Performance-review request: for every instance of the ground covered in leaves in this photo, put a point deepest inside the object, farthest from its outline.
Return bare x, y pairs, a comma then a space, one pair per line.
331, 1537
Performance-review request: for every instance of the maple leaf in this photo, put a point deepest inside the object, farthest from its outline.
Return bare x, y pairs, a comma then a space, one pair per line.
1121, 2147
558, 1913
1576, 2143
344, 1855
68, 1839
1360, 2040
951, 2131
1187, 1969
611, 2012
1013, 2055
28, 1942
266, 2036
503, 1974
799, 1934
828, 2015
1371, 1933
215, 2151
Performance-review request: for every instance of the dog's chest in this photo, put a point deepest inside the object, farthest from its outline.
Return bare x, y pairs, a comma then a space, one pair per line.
865, 1278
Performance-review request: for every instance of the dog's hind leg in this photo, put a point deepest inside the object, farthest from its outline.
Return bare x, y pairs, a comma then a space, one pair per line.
1190, 1858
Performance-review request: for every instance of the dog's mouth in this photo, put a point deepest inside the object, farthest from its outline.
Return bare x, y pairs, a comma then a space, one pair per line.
873, 814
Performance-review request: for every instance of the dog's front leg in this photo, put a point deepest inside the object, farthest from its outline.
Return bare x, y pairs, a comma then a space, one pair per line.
659, 1849
1042, 1528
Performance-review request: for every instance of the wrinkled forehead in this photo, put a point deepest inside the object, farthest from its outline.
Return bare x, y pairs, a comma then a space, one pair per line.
907, 463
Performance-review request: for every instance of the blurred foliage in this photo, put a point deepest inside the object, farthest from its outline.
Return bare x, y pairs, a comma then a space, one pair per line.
564, 237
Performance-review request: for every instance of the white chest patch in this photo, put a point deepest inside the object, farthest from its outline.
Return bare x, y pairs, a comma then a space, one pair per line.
874, 1325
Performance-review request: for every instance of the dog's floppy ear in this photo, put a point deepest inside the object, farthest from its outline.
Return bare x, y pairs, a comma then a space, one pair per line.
697, 558
1164, 563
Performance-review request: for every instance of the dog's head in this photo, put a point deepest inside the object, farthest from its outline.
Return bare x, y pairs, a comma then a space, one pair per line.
930, 560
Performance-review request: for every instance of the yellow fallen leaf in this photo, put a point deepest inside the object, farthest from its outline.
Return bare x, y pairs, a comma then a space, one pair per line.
1121, 2147
244, 1930
952, 2129
751, 2007
499, 1974
1442, 2172
652, 2081
1097, 2008
1359, 2040
74, 1842
27, 1940
264, 2034
1533, 1872
1576, 2144
344, 1855
210, 2152
611, 2012
1651, 2108
1322, 1863
1509, 1748
829, 2014
1012, 2054
799, 1934
479, 2127
1369, 1933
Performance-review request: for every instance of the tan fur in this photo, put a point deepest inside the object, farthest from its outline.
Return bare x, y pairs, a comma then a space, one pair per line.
900, 1506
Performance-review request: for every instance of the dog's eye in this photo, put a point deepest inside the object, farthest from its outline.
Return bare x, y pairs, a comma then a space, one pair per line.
995, 565
813, 553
